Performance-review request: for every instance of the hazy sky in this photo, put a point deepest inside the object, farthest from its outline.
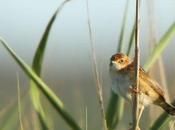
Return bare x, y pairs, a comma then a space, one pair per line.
22, 23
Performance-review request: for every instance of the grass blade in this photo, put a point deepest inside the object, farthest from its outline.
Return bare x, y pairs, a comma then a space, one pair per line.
10, 117
19, 104
51, 96
37, 66
160, 47
121, 37
115, 107
161, 121
131, 40
114, 111
163, 118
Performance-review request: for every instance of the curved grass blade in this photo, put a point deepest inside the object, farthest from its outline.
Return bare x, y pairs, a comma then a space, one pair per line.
115, 107
163, 118
121, 37
161, 121
37, 66
51, 96
19, 104
160, 47
131, 40
114, 111
9, 116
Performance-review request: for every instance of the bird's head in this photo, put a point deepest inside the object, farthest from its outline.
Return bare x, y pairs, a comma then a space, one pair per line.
119, 61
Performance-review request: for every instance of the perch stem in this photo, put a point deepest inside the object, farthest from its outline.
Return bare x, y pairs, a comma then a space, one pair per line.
136, 66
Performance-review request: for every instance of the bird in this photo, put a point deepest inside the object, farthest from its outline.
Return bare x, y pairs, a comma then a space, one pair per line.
121, 71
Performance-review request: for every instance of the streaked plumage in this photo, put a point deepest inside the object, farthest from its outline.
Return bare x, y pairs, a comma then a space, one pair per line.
122, 76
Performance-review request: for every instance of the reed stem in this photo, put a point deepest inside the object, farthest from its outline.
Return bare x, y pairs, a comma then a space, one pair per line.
136, 66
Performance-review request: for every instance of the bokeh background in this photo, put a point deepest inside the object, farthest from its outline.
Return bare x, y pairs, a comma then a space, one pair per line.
68, 61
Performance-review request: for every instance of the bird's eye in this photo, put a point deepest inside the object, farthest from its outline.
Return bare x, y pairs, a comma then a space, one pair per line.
121, 61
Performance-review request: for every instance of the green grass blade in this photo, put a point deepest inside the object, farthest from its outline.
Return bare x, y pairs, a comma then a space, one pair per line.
19, 104
38, 58
114, 111
51, 96
121, 37
11, 118
131, 40
161, 121
115, 107
10, 115
163, 118
160, 47
37, 66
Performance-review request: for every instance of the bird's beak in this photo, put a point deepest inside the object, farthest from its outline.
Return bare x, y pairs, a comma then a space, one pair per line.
112, 62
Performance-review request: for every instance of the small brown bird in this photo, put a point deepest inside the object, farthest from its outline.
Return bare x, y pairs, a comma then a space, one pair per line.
150, 92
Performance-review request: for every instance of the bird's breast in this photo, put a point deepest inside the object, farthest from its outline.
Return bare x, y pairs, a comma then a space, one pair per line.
121, 85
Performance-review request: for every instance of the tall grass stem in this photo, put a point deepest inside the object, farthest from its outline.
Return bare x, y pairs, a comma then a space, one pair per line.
19, 103
95, 71
136, 67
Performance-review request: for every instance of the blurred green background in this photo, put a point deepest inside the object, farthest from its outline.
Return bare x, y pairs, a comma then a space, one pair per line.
67, 66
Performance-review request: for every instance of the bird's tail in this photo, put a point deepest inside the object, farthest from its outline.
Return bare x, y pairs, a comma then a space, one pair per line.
168, 108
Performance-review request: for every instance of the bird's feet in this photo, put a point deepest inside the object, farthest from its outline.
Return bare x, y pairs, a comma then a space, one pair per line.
136, 128
134, 90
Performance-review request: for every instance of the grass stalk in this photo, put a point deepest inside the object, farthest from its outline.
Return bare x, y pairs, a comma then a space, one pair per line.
136, 67
10, 113
86, 119
95, 72
19, 104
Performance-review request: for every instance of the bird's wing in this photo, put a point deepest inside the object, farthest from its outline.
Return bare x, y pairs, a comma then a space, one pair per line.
145, 77
152, 83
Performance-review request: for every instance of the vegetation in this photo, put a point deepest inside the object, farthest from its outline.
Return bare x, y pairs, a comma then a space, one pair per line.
115, 108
